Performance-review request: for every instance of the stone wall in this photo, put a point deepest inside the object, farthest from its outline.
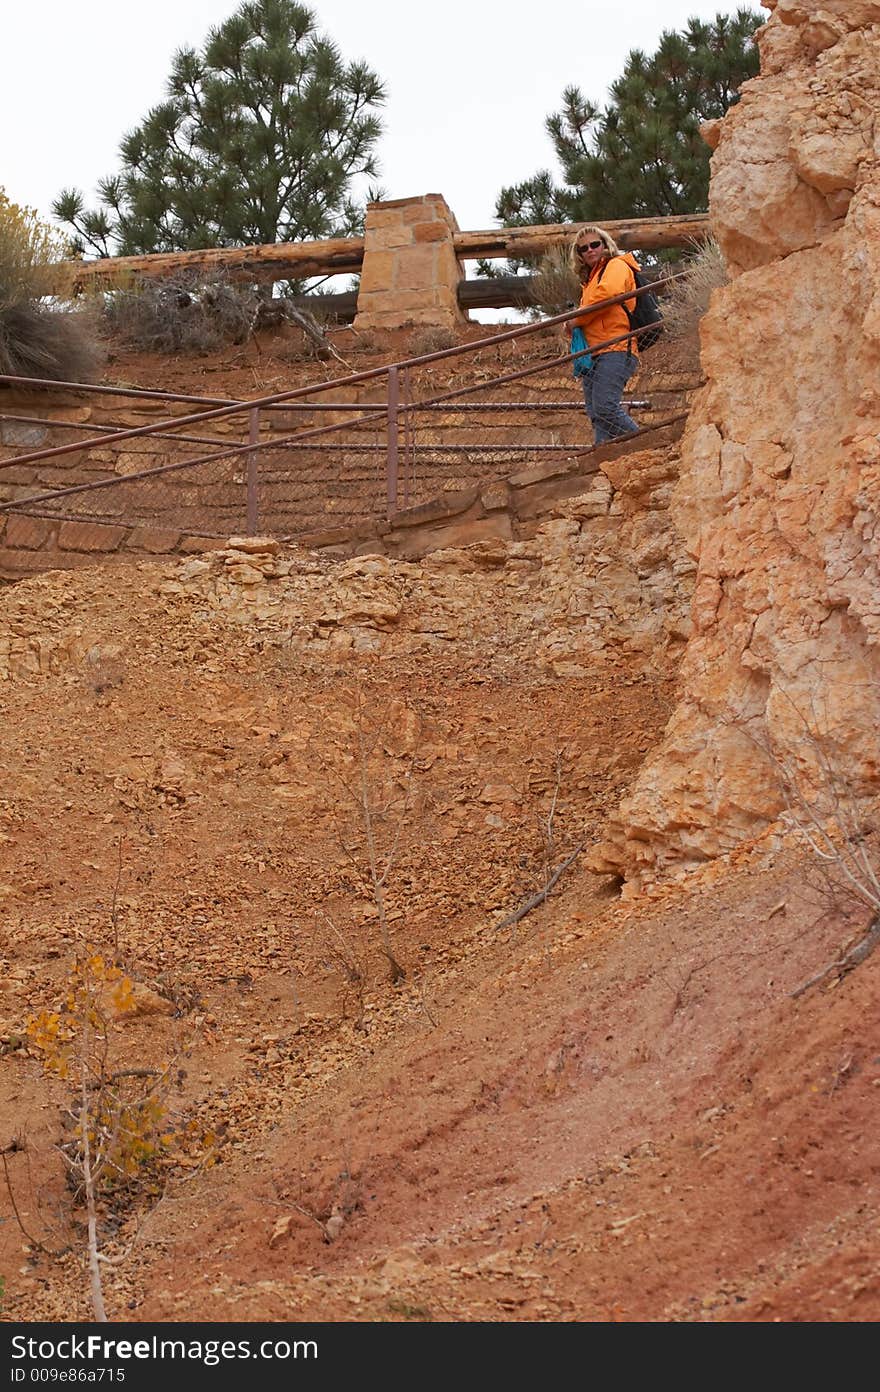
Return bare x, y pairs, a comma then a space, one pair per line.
29, 545
500, 509
779, 495
319, 492
206, 500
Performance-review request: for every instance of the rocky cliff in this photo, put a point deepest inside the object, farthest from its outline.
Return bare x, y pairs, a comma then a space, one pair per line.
780, 486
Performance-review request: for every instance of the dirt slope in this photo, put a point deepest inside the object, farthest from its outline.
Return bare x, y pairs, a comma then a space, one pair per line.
612, 1110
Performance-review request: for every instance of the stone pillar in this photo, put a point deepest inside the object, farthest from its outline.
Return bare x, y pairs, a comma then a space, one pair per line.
410, 273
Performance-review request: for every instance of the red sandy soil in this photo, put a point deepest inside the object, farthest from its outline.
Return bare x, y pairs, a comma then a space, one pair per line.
612, 1110
278, 359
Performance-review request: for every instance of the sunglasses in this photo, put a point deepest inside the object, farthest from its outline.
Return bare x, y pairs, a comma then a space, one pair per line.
589, 246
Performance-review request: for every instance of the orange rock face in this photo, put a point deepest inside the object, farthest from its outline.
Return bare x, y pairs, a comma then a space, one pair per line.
780, 488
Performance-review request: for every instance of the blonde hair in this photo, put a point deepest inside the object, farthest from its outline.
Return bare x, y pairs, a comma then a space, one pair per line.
585, 234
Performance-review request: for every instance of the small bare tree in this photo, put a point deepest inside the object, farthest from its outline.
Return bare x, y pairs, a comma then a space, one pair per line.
547, 834
832, 826
379, 804
114, 1115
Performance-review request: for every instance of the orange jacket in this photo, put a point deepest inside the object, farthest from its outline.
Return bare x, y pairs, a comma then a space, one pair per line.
616, 278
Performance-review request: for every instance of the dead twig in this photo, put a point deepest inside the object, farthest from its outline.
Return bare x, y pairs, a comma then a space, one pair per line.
423, 1001
842, 1069
678, 991
114, 903
557, 762
314, 333
317, 1221
536, 899
107, 1080
856, 955
14, 1147
546, 828
354, 970
360, 793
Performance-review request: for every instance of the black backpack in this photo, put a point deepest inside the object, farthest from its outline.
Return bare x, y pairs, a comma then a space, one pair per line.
646, 315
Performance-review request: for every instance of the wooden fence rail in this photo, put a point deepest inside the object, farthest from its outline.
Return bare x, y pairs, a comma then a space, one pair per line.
345, 256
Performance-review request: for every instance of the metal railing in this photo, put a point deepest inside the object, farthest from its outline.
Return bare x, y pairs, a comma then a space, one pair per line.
242, 485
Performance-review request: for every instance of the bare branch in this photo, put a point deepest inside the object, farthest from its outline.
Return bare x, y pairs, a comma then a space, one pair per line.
862, 950
89, 1188
13, 1148
542, 894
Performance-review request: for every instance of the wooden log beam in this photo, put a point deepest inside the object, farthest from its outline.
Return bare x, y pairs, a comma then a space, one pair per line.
344, 256
631, 234
276, 261
497, 292
340, 308
501, 292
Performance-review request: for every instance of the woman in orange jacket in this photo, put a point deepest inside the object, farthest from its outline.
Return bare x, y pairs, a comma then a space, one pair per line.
604, 272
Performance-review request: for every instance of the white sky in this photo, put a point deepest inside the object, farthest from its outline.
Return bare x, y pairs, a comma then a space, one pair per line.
469, 83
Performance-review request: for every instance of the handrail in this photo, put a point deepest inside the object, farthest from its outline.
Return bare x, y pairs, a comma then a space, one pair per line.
103, 389
138, 393
262, 445
258, 403
391, 411
23, 504
48, 424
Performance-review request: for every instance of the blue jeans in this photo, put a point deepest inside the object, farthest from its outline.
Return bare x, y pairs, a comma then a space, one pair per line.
603, 388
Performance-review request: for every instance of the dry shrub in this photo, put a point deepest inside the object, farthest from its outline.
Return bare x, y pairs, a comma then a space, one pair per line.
431, 339
28, 247
38, 338
555, 287
181, 313
687, 300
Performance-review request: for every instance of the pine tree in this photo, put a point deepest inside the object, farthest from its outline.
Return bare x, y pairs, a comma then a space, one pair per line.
643, 154
259, 140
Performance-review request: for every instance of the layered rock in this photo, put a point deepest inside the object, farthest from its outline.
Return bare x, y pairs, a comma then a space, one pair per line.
780, 487
601, 576
604, 577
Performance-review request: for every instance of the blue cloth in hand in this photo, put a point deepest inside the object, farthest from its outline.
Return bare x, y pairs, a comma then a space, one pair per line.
578, 344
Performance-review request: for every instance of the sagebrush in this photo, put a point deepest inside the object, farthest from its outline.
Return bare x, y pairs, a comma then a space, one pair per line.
38, 337
181, 313
555, 286
686, 301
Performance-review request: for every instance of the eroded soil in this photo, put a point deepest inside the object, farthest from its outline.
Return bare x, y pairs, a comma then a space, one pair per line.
612, 1109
